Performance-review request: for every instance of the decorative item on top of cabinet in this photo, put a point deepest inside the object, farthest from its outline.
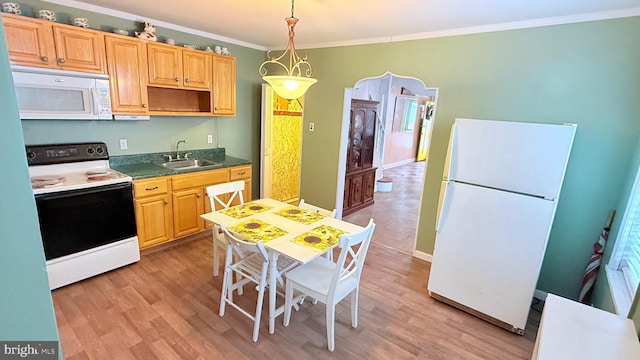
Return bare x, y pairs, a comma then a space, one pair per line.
127, 66
360, 174
224, 85
41, 43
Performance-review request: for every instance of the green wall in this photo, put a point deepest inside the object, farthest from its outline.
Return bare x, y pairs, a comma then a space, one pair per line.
26, 309
585, 73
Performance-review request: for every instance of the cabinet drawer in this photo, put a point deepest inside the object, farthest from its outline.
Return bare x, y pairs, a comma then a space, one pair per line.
240, 172
203, 178
149, 187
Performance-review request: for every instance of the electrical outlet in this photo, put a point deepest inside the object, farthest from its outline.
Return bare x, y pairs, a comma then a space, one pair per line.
209, 139
123, 144
312, 126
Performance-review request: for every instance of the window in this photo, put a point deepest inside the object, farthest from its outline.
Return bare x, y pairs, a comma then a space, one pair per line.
623, 270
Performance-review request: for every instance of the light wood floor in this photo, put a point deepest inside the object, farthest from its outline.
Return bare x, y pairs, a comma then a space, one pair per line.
166, 307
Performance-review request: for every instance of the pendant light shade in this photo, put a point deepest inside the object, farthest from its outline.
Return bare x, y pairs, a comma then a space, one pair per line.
298, 74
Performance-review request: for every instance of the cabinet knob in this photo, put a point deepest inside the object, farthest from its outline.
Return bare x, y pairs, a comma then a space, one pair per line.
166, 202
198, 195
44, 58
145, 106
186, 79
177, 79
215, 108
61, 60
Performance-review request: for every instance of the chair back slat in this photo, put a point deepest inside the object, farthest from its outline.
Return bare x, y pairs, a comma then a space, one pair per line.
353, 247
316, 209
215, 193
243, 247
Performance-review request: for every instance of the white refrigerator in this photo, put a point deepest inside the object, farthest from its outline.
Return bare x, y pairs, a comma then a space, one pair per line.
497, 202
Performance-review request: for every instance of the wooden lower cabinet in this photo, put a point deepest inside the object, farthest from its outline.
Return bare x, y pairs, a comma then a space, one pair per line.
153, 211
169, 207
359, 187
242, 173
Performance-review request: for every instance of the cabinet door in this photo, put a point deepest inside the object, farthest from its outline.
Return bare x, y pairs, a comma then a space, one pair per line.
224, 85
165, 65
368, 137
188, 205
346, 199
153, 219
29, 41
356, 190
79, 49
127, 62
196, 69
369, 183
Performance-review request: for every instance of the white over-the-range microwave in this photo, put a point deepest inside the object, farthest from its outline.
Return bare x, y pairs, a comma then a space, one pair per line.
63, 95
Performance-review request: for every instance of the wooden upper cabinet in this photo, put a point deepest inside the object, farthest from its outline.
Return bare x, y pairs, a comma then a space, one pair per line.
196, 69
177, 67
224, 85
127, 65
29, 41
40, 43
79, 49
165, 65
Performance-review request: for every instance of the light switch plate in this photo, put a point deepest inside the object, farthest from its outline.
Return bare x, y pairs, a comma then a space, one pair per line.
123, 144
209, 139
312, 126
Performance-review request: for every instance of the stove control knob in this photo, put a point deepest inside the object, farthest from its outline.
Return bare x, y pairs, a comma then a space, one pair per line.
100, 150
90, 151
31, 154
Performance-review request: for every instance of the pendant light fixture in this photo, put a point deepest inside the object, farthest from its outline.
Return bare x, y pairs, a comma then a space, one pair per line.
298, 78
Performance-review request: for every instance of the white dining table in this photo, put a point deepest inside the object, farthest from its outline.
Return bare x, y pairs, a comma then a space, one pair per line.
284, 244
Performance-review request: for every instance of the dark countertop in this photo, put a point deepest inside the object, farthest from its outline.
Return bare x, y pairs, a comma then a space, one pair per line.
143, 166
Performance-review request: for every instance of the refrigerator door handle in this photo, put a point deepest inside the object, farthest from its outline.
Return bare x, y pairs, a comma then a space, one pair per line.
443, 204
453, 139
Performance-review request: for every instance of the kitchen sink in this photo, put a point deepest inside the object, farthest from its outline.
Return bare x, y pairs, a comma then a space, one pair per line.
189, 164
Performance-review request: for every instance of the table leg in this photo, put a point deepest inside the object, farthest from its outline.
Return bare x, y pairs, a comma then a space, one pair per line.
273, 271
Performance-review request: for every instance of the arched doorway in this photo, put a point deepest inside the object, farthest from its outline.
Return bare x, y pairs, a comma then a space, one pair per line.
403, 127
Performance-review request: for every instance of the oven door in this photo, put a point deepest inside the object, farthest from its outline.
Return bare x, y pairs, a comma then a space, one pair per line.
77, 220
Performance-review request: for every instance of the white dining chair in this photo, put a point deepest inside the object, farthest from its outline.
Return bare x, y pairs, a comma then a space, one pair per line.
221, 196
331, 282
249, 262
306, 206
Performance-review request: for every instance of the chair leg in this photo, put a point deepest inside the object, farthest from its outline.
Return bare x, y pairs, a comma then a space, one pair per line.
354, 308
331, 320
262, 286
216, 258
223, 294
288, 302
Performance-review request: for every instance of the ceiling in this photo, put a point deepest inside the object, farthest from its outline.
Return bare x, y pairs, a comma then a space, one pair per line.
260, 23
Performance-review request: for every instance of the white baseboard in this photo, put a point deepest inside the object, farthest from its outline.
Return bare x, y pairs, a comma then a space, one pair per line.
422, 255
540, 295
397, 163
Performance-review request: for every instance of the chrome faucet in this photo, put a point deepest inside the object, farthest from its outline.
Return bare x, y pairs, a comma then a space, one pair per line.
178, 148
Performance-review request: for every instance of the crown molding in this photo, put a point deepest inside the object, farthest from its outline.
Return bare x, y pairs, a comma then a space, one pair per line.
155, 22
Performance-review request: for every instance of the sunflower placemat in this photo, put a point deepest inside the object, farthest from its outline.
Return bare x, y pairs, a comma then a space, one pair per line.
322, 237
244, 210
300, 215
257, 230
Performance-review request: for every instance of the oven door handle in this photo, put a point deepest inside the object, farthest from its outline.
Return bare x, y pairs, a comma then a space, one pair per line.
63, 194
